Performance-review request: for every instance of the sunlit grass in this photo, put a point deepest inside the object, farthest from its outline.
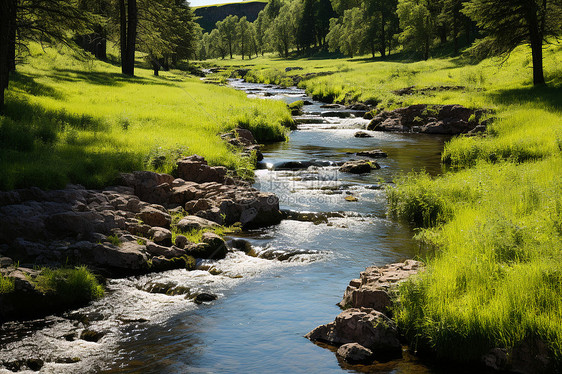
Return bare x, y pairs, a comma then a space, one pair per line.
496, 275
492, 227
69, 120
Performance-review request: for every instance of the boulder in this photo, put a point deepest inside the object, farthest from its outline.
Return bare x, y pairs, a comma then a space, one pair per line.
355, 353
181, 241
428, 119
373, 287
212, 247
359, 167
375, 153
158, 250
190, 223
152, 216
149, 186
195, 169
161, 236
195, 206
362, 134
365, 326
123, 259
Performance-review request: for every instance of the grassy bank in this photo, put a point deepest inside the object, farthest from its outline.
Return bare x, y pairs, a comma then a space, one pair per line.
492, 225
76, 120
46, 291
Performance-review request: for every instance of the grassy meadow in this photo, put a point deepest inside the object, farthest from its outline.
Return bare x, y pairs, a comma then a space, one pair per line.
70, 119
492, 224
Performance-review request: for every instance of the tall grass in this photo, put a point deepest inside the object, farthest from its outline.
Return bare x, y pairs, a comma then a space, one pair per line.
496, 277
69, 120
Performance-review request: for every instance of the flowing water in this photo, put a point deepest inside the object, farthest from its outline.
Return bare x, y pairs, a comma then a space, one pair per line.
265, 304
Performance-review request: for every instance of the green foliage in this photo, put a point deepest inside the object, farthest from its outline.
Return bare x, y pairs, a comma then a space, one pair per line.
417, 24
6, 284
113, 239
72, 286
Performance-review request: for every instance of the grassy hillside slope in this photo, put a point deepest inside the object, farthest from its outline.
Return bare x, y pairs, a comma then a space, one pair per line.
210, 15
81, 121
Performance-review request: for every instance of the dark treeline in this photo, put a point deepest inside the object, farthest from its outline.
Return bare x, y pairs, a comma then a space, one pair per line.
378, 27
164, 30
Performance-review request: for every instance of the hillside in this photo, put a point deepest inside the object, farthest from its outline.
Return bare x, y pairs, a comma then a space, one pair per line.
210, 15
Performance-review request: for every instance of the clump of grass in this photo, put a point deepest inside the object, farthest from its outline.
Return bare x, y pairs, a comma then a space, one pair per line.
196, 235
6, 285
114, 239
72, 286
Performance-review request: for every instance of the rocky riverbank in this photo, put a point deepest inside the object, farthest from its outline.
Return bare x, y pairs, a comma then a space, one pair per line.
141, 225
364, 331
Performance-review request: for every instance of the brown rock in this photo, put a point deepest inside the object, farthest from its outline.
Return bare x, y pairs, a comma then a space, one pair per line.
161, 236
359, 167
371, 290
189, 223
429, 119
195, 169
181, 241
355, 353
362, 134
158, 250
375, 153
154, 217
365, 326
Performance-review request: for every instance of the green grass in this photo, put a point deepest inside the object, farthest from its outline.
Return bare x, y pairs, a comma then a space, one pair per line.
69, 120
495, 278
6, 285
492, 225
72, 286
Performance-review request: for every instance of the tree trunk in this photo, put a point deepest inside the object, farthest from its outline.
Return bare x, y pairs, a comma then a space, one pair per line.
12, 36
455, 33
536, 48
123, 34
426, 49
132, 21
7, 29
383, 37
536, 37
155, 67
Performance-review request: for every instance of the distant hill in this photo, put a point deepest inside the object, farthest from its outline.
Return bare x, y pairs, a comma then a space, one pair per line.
210, 15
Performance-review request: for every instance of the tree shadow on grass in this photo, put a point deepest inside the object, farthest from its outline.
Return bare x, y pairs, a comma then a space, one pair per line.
54, 167
550, 97
97, 78
29, 116
27, 83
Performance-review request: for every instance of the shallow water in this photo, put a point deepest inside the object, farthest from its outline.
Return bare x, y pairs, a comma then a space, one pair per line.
265, 305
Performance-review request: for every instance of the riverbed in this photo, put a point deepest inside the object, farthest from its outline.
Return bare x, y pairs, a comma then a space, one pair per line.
265, 304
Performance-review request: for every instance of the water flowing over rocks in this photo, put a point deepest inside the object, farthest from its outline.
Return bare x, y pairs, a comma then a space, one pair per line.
366, 323
128, 229
431, 119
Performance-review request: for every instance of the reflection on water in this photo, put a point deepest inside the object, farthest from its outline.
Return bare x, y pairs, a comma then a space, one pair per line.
266, 303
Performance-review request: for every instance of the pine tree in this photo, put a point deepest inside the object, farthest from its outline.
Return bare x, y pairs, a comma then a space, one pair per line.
509, 24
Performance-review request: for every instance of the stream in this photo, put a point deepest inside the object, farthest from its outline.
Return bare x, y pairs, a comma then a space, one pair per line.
266, 304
